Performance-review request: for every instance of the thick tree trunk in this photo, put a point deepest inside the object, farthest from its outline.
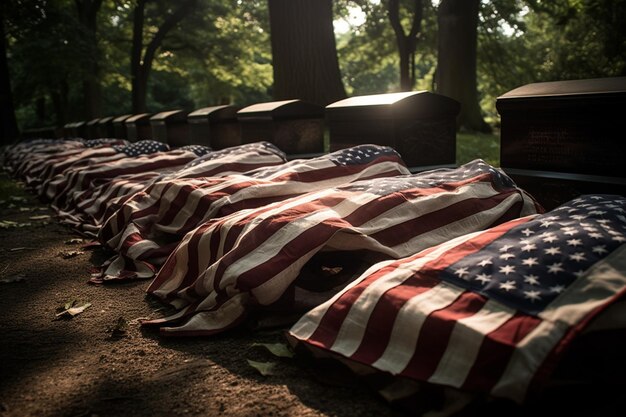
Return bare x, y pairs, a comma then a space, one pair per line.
8, 123
92, 90
456, 59
304, 53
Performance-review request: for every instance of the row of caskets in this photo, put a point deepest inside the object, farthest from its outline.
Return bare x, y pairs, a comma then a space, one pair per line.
420, 125
558, 139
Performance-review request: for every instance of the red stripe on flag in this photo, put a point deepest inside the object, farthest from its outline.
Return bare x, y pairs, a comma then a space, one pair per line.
496, 350
435, 334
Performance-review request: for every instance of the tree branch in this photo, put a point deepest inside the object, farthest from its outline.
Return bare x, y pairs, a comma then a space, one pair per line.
171, 21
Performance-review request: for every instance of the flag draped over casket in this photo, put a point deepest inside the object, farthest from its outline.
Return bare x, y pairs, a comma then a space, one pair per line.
488, 312
29, 158
149, 225
37, 169
88, 208
228, 265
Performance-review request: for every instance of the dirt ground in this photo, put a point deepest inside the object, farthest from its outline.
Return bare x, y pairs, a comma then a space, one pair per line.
81, 366
101, 362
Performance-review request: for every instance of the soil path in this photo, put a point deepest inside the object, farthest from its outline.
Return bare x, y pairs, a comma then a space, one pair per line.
77, 367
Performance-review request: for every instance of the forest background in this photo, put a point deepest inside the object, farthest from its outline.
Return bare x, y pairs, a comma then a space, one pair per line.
67, 60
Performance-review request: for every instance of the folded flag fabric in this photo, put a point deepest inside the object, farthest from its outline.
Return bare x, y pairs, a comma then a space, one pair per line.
240, 158
18, 159
228, 265
147, 228
488, 312
87, 207
136, 157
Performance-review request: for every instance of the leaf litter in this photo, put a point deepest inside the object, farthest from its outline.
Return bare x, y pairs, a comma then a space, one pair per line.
277, 349
119, 329
72, 308
264, 368
70, 254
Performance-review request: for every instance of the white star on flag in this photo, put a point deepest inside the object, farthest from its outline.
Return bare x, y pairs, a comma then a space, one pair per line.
530, 261
553, 251
532, 295
507, 269
578, 256
555, 268
508, 286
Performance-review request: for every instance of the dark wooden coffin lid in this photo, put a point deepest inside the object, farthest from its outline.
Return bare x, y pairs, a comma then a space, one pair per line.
105, 120
589, 89
139, 119
226, 112
286, 109
411, 104
121, 119
93, 122
171, 116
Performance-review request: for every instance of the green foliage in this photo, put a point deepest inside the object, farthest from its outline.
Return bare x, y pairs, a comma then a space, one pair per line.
368, 55
221, 51
521, 42
169, 90
470, 146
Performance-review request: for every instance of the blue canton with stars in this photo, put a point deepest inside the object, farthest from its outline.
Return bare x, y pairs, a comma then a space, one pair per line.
92, 143
261, 147
366, 153
199, 150
531, 264
360, 155
431, 179
143, 147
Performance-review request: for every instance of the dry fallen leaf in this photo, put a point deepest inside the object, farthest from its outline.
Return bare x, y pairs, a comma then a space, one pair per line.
277, 349
5, 224
72, 308
264, 368
40, 217
120, 328
74, 241
70, 254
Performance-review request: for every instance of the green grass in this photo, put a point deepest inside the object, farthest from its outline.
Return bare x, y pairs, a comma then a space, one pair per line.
470, 146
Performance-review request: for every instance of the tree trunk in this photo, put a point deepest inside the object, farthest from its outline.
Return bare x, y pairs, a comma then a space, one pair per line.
141, 67
138, 95
456, 59
92, 91
8, 123
406, 43
59, 102
304, 53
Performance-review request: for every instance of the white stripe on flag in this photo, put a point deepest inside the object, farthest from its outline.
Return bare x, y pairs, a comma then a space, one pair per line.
465, 342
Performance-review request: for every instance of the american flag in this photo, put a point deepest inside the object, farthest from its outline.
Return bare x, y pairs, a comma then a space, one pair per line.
251, 257
28, 159
100, 168
42, 171
173, 207
22, 157
89, 206
488, 312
